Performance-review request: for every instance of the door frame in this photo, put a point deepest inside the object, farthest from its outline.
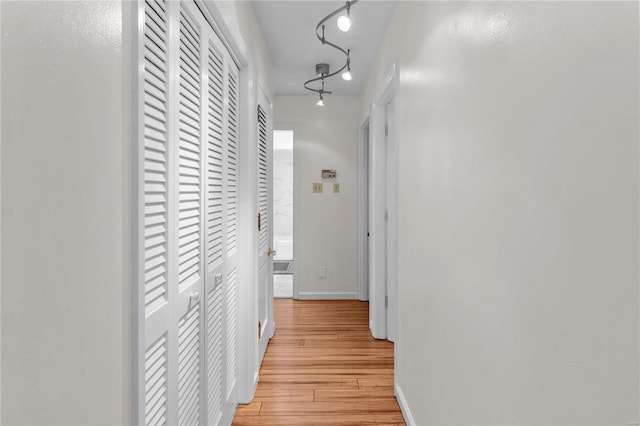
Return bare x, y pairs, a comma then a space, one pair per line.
364, 145
378, 207
296, 223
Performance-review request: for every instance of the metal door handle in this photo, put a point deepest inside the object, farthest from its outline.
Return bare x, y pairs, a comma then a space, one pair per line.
270, 251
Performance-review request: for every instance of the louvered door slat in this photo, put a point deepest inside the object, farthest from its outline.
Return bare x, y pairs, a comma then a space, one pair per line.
189, 367
232, 172
215, 158
263, 180
232, 336
214, 361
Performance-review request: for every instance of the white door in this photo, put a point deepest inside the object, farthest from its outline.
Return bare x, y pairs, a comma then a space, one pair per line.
231, 209
265, 224
189, 250
156, 271
221, 228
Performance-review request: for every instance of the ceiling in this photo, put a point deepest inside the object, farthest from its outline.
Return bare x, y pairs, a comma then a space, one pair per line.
289, 29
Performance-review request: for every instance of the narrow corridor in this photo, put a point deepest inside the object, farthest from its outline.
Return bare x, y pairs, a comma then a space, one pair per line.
323, 367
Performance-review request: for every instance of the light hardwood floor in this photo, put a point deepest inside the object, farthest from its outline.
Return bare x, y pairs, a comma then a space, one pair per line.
323, 367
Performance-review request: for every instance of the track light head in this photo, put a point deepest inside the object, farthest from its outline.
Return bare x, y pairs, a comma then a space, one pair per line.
320, 101
344, 23
347, 75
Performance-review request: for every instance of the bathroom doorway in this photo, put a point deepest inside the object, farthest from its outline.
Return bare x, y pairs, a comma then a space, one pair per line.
283, 265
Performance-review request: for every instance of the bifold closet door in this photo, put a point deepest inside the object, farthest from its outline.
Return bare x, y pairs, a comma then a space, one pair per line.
188, 220
157, 268
189, 250
221, 193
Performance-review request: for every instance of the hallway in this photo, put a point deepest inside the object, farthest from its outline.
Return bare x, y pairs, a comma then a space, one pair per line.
323, 367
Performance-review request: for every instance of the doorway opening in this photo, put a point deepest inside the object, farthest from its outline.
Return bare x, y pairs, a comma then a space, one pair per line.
283, 213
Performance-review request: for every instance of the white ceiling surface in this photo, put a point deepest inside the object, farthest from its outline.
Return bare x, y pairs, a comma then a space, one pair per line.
289, 29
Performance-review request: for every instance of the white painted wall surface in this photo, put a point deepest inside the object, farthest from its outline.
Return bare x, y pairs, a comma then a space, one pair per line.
325, 138
65, 213
518, 210
243, 17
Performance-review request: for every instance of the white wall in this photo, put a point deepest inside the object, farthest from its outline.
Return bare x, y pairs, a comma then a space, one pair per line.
243, 17
325, 138
518, 210
65, 213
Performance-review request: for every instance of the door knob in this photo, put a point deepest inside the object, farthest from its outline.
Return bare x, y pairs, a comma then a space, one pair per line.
270, 251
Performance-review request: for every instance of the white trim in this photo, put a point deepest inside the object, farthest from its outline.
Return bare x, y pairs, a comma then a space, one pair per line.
392, 220
404, 406
227, 418
363, 210
327, 295
388, 86
223, 25
378, 207
137, 212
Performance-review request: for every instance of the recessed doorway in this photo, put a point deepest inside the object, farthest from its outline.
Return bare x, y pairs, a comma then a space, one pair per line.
283, 262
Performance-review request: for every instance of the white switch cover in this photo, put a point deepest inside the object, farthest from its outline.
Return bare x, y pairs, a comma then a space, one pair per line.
322, 273
336, 187
317, 187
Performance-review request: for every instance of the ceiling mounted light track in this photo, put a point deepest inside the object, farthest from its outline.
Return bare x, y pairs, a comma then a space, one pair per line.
322, 70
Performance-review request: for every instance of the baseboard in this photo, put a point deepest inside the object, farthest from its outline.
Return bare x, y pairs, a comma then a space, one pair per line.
404, 407
322, 295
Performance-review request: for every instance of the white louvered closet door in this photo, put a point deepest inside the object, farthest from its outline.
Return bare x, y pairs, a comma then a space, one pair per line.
155, 259
189, 250
216, 226
188, 220
231, 215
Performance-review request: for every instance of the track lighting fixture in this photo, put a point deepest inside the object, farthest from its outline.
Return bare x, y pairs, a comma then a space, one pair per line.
347, 74
344, 23
322, 70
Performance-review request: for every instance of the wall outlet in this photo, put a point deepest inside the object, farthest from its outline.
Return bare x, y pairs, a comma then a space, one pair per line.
317, 187
322, 272
336, 188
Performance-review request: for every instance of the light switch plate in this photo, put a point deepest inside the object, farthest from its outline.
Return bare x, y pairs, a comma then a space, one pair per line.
317, 187
336, 187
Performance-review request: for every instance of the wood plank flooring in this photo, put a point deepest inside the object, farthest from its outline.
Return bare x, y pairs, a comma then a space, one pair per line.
323, 367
